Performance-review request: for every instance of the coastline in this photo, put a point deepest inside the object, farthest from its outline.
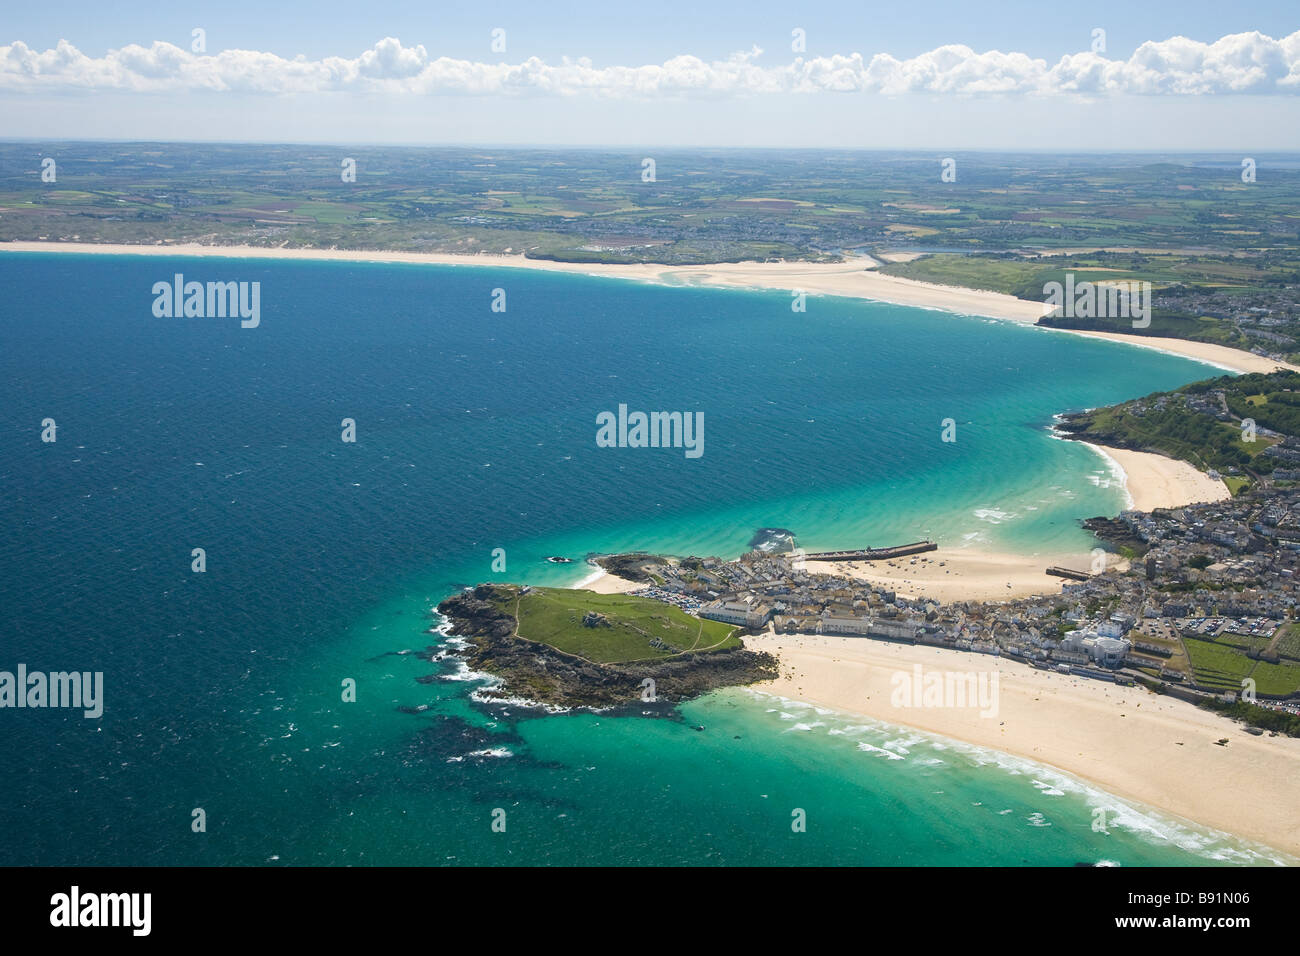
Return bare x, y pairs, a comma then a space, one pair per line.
1083, 720
1220, 356
602, 582
1154, 481
1151, 481
950, 575
1132, 743
953, 574
855, 279
852, 279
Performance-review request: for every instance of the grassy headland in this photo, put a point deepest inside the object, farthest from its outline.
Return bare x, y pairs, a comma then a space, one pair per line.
628, 628
576, 648
1202, 423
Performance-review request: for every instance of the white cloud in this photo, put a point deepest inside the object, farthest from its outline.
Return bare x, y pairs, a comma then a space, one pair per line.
1240, 63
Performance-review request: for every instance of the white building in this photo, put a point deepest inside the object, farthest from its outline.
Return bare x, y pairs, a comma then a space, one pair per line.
1109, 651
844, 625
1097, 645
737, 612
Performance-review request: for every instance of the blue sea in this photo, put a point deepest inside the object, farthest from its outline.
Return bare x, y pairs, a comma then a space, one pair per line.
475, 431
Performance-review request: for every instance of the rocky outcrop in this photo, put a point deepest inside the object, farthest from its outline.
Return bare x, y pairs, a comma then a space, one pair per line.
630, 566
539, 672
1117, 534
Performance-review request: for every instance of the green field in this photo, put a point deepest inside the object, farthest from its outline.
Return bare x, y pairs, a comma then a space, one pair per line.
1244, 642
1223, 665
1194, 293
1288, 642
1218, 665
1235, 484
1276, 679
554, 616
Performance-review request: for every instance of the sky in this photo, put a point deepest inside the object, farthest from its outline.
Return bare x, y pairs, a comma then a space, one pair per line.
934, 75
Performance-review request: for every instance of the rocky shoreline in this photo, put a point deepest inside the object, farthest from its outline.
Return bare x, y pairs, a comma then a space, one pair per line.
538, 672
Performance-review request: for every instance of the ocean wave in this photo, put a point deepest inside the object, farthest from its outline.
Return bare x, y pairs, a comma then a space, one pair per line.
850, 730
482, 695
588, 579
463, 673
1148, 823
872, 748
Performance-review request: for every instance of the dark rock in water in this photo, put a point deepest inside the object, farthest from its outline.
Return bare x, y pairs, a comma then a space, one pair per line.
454, 736
1116, 533
556, 559
539, 672
630, 566
474, 615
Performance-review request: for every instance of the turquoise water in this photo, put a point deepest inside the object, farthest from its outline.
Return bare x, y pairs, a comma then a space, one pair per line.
476, 431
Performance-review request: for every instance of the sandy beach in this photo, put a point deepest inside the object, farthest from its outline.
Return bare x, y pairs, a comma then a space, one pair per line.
1232, 360
851, 279
966, 574
963, 574
1154, 481
1130, 742
606, 583
1126, 740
